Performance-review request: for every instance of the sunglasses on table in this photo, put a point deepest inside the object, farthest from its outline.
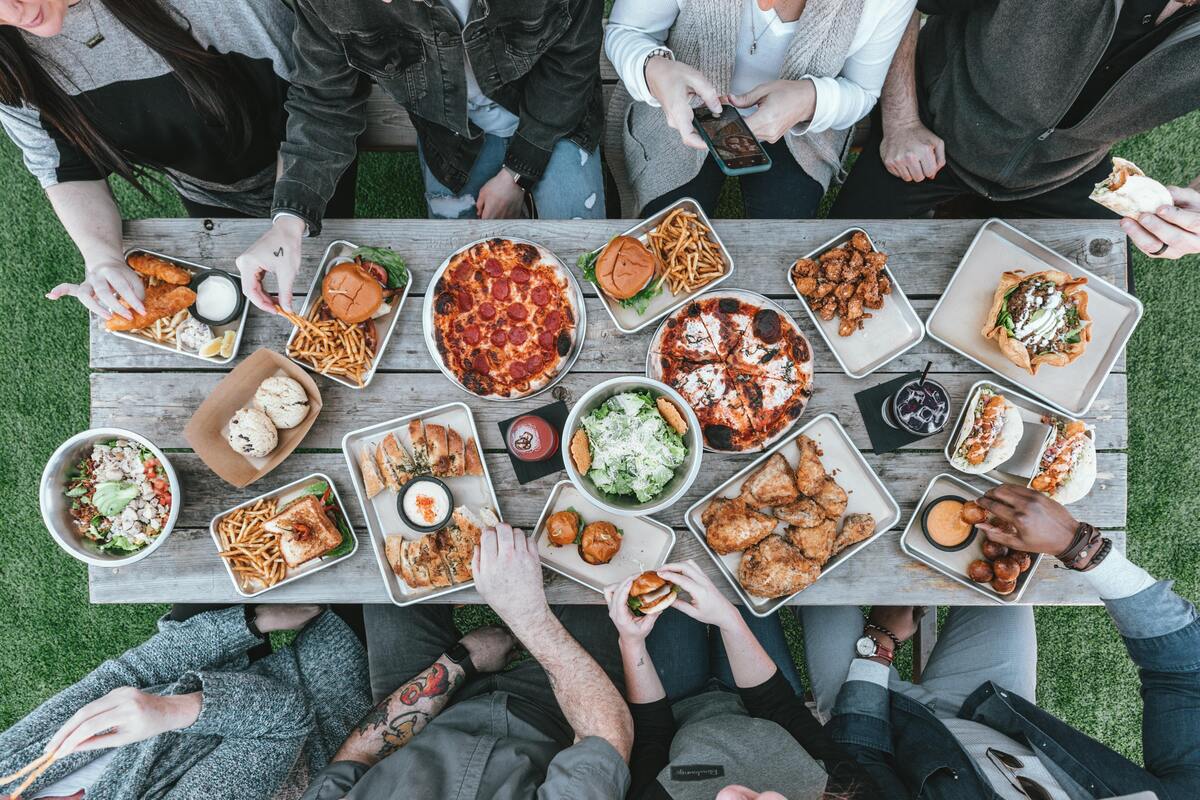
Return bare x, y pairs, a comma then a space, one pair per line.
1008, 765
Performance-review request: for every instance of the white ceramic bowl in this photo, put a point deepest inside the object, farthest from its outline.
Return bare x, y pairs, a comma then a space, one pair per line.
685, 473
56, 506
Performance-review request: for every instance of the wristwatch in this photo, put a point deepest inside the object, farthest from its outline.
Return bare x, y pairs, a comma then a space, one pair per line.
870, 647
459, 654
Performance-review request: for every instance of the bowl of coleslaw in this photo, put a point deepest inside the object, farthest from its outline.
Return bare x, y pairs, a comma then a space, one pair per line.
638, 462
109, 497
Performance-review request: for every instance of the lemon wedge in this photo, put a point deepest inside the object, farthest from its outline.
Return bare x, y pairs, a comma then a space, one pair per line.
211, 349
227, 342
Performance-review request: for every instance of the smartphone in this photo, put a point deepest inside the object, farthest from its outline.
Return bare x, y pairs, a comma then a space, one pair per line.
730, 141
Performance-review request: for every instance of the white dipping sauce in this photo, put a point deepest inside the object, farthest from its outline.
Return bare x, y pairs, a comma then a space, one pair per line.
426, 503
216, 297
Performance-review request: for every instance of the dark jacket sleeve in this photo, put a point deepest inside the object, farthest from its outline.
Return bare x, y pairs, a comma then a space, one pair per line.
950, 6
776, 701
653, 730
862, 726
326, 109
557, 90
335, 781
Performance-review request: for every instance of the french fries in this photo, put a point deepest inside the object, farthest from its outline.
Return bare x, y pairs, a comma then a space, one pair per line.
252, 552
690, 257
330, 346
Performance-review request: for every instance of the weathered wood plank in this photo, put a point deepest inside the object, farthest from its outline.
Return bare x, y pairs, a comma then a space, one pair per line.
187, 569
924, 252
904, 474
160, 404
606, 348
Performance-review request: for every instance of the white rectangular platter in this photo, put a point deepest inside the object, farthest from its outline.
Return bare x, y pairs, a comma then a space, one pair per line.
645, 542
866, 494
958, 318
383, 516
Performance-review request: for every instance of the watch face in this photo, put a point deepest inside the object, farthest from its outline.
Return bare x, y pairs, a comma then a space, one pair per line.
866, 647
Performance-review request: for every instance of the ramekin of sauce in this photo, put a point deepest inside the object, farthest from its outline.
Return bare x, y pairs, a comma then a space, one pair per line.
425, 504
531, 438
218, 297
942, 524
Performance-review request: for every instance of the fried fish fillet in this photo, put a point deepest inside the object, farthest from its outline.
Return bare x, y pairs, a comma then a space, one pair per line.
855, 528
832, 498
772, 484
155, 267
731, 525
161, 301
810, 472
816, 542
774, 567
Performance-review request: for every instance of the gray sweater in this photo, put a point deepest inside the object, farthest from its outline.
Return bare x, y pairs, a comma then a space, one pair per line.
264, 728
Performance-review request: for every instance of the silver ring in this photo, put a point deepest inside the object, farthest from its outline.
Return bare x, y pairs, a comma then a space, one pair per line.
1160, 250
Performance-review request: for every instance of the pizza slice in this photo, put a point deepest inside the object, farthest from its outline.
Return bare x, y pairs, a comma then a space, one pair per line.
772, 405
685, 337
723, 419
726, 319
783, 356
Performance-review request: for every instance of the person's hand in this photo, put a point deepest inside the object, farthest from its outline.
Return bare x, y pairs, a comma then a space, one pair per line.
782, 105
124, 716
897, 619
912, 152
500, 198
277, 251
1030, 521
105, 285
673, 85
508, 576
1177, 227
490, 648
284, 617
705, 602
631, 628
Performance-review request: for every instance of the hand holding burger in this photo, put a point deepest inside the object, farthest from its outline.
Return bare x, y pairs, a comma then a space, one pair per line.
705, 602
632, 628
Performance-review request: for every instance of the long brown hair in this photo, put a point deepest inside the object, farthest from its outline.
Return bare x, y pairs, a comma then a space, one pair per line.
209, 79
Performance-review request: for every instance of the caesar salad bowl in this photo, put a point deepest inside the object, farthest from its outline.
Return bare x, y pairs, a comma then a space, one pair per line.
56, 505
628, 504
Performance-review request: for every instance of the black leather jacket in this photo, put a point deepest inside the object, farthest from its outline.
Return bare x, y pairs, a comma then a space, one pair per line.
540, 59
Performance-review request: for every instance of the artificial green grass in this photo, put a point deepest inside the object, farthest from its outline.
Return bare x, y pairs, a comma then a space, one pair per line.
52, 635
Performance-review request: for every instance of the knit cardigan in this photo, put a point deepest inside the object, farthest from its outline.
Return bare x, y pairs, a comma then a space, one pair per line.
263, 731
705, 36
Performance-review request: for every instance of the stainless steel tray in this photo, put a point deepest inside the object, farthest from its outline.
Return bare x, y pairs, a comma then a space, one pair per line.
336, 253
893, 330
576, 298
239, 324
960, 314
1031, 412
645, 543
866, 492
627, 320
381, 513
304, 570
954, 564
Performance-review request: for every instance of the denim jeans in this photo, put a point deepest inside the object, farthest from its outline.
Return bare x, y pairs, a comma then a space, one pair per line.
690, 657
571, 188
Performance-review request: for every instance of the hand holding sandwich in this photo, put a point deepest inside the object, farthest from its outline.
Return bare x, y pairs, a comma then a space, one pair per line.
1170, 232
1024, 519
705, 602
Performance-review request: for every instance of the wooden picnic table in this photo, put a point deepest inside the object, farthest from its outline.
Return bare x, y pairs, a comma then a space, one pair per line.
154, 393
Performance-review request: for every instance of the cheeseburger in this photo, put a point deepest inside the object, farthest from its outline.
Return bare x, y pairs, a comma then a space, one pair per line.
359, 290
651, 594
625, 267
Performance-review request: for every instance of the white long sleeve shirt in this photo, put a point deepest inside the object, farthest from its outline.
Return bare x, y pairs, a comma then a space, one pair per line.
637, 28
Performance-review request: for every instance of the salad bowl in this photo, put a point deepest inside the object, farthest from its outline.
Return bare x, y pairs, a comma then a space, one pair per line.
684, 474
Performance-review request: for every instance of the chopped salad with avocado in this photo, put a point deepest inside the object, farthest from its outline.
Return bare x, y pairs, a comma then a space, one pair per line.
120, 497
634, 451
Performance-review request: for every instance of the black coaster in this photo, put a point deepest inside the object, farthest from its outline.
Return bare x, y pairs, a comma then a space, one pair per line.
526, 471
884, 437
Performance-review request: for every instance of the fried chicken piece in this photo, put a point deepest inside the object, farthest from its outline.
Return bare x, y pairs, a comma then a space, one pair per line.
161, 301
806, 286
810, 472
155, 267
885, 284
876, 260
857, 261
827, 309
774, 567
825, 288
860, 242
731, 525
814, 542
844, 291
855, 528
832, 498
854, 308
847, 327
853, 270
832, 269
804, 513
772, 484
833, 254
805, 268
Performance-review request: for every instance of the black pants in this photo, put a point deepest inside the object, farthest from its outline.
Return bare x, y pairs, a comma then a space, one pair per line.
871, 192
340, 206
785, 191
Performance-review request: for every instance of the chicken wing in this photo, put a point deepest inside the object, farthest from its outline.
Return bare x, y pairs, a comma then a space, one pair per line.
772, 484
832, 498
860, 242
810, 473
804, 513
816, 542
856, 528
155, 267
774, 567
731, 525
805, 268
161, 300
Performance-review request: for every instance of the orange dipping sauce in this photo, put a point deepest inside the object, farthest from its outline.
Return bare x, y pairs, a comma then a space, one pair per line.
944, 524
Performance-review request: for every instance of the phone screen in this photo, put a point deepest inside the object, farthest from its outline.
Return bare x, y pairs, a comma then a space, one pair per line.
730, 138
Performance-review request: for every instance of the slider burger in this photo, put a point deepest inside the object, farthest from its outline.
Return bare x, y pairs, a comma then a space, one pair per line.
625, 267
989, 434
651, 594
1130, 192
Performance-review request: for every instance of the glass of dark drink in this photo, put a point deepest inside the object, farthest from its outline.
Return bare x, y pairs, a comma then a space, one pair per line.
921, 407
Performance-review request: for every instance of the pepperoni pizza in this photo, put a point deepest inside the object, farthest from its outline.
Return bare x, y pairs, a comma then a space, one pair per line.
745, 368
504, 318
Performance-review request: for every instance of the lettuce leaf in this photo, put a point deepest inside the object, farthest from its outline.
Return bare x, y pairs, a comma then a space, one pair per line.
389, 259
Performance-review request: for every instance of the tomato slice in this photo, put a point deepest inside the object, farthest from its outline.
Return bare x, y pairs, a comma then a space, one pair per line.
377, 272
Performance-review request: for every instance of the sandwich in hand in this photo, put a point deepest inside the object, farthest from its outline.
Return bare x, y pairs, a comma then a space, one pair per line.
989, 434
651, 594
1067, 469
305, 531
1130, 192
1040, 318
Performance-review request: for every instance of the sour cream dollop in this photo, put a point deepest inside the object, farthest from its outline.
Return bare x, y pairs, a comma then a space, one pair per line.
216, 297
426, 503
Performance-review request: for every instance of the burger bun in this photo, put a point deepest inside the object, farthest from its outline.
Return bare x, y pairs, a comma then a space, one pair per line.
625, 267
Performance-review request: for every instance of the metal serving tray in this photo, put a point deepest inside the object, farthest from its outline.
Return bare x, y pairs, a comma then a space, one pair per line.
336, 253
1031, 413
866, 493
284, 493
576, 297
627, 320
893, 330
954, 564
645, 542
959, 316
238, 324
383, 518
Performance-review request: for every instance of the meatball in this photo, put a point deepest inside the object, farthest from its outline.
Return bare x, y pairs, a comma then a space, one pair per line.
1003, 587
599, 543
1006, 568
562, 527
972, 513
993, 550
980, 571
1024, 560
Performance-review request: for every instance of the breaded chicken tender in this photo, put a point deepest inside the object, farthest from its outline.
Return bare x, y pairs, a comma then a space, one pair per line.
731, 525
772, 484
161, 301
774, 567
155, 267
